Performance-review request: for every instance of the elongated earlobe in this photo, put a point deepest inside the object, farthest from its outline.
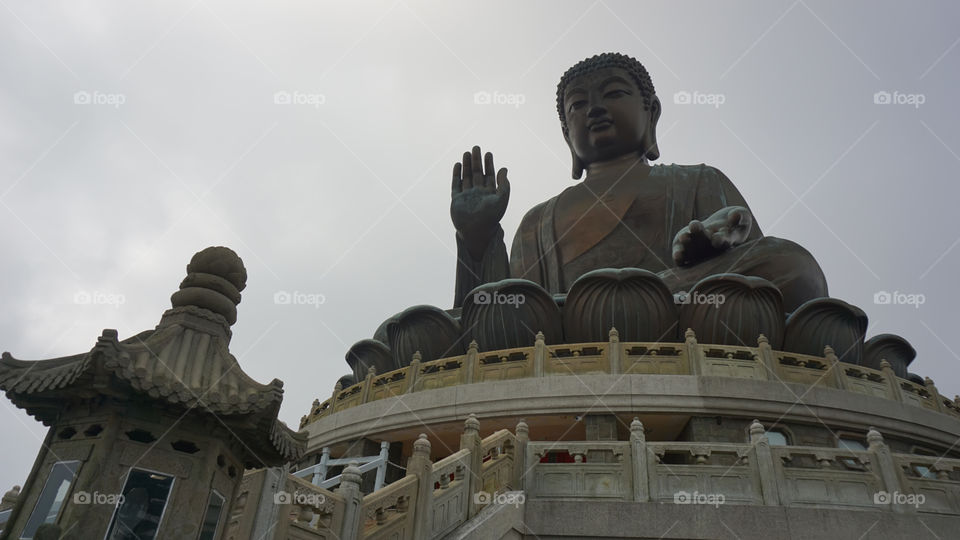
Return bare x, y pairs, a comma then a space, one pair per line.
650, 148
578, 167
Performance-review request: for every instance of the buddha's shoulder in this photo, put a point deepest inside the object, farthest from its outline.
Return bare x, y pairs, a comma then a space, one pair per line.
534, 214
688, 173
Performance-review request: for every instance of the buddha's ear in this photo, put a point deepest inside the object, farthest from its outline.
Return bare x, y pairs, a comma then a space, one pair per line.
652, 151
577, 170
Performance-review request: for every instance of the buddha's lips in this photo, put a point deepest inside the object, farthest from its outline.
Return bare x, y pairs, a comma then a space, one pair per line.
600, 125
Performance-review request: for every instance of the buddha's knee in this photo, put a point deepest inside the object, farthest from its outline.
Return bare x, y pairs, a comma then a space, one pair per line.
794, 270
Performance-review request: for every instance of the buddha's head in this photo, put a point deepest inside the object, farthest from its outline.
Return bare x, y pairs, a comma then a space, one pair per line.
608, 109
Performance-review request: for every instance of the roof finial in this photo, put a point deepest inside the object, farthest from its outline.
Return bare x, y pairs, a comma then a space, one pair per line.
215, 277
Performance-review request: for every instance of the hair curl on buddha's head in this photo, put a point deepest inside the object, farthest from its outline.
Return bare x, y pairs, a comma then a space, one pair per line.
606, 60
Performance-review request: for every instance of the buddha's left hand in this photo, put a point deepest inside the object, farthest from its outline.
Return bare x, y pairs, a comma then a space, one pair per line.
701, 240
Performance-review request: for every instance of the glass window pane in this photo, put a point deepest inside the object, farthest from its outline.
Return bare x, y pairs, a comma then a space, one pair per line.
145, 498
211, 518
4, 517
51, 498
851, 444
776, 438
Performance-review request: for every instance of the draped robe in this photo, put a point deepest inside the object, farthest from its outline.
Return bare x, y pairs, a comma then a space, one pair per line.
631, 223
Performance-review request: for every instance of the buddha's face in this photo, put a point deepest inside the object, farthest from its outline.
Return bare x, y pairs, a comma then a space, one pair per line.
605, 116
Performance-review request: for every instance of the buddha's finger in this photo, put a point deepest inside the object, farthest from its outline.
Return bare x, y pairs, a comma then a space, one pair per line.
503, 185
456, 187
678, 255
467, 168
477, 165
489, 171
718, 240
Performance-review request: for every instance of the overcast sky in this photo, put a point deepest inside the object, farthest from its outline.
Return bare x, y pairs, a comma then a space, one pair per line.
135, 134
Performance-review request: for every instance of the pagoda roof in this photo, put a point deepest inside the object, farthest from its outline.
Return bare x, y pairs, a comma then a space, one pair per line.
184, 363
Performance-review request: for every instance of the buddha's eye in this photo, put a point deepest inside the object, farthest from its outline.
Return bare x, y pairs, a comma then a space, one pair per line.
578, 104
616, 93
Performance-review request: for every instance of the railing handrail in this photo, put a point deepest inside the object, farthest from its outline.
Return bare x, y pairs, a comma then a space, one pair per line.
694, 359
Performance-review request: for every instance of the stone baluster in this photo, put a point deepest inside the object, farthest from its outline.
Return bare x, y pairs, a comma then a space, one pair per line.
893, 383
837, 373
320, 473
413, 372
368, 383
421, 466
337, 388
766, 356
694, 354
382, 469
638, 455
613, 352
763, 463
886, 465
349, 489
935, 394
470, 440
470, 362
539, 355
520, 456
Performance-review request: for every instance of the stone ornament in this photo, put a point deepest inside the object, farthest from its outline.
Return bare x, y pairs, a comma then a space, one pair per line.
634, 301
509, 313
730, 309
827, 321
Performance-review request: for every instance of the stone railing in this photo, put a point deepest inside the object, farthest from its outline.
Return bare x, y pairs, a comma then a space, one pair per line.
744, 474
614, 357
432, 499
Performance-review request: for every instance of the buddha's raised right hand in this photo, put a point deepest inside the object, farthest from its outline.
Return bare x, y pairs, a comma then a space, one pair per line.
478, 199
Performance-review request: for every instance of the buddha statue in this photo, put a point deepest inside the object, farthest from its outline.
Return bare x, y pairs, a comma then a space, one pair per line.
682, 222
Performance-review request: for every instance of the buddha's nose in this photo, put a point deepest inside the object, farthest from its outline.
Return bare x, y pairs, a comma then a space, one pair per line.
596, 110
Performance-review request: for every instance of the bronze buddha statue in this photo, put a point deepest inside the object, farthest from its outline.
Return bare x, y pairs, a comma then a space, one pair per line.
683, 222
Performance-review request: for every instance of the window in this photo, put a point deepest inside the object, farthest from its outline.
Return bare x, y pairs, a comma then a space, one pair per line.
145, 497
51, 499
777, 438
851, 444
4, 517
211, 518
